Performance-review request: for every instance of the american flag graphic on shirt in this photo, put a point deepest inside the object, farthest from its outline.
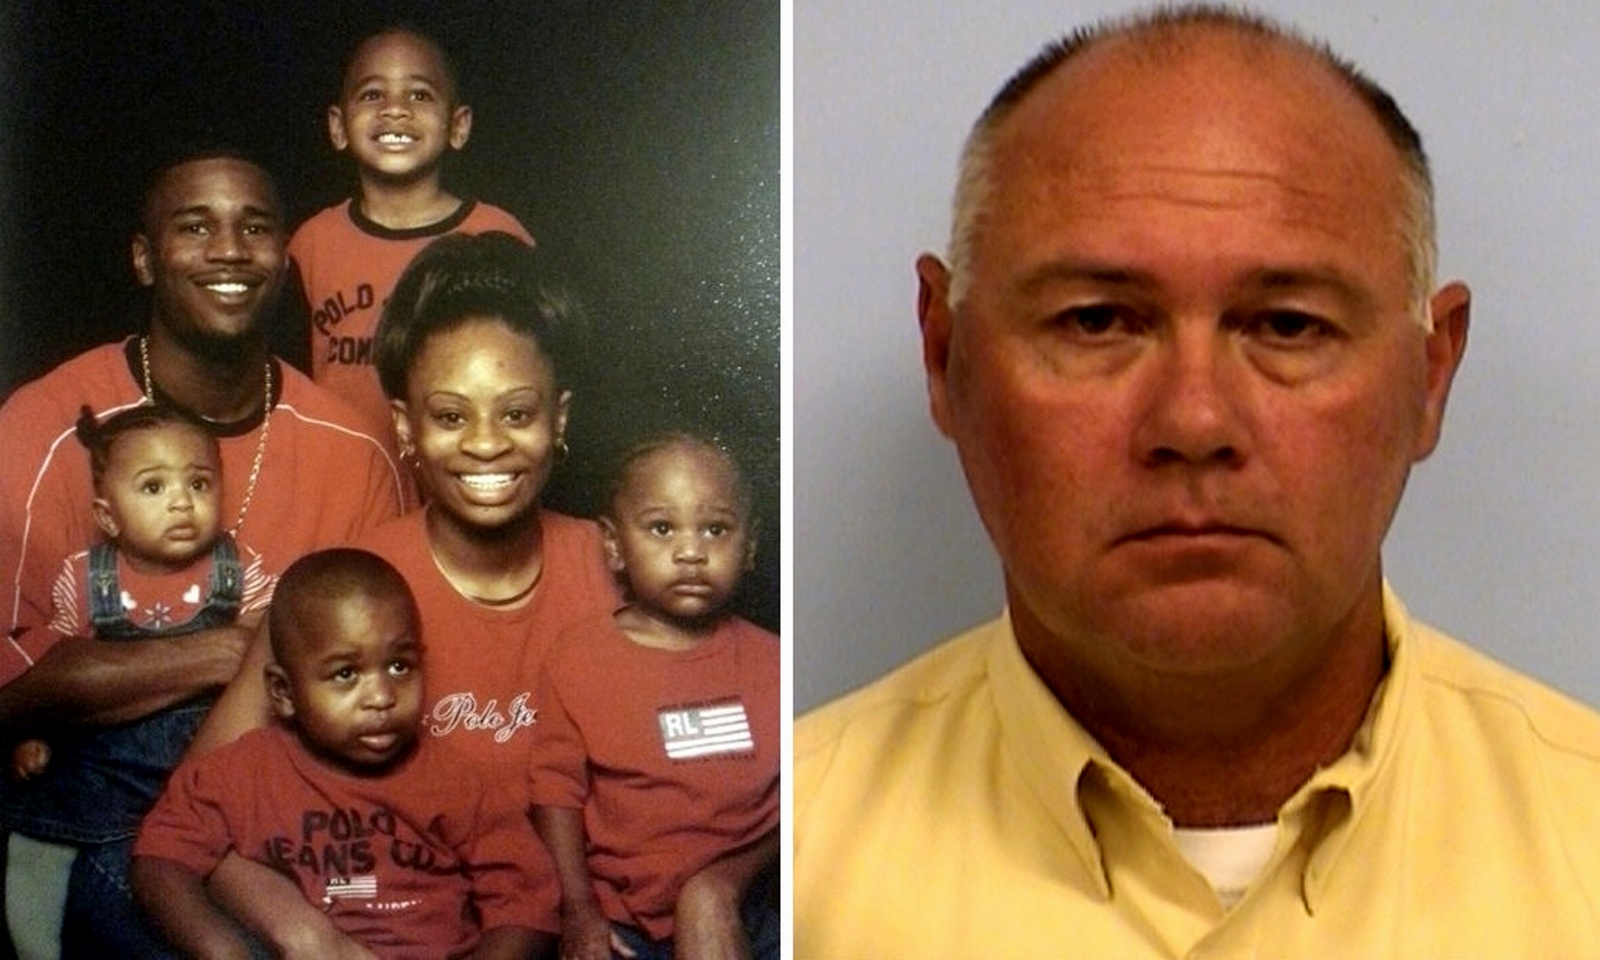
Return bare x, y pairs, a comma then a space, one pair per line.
689, 733
363, 887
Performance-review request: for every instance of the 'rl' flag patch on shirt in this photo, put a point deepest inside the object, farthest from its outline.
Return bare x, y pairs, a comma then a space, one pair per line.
693, 732
364, 887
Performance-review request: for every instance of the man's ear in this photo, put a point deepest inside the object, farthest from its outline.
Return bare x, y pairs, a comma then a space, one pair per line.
460, 126
933, 313
608, 540
279, 691
103, 519
336, 134
1450, 310
141, 260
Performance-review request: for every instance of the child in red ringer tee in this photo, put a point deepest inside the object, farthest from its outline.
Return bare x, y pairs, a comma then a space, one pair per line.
656, 755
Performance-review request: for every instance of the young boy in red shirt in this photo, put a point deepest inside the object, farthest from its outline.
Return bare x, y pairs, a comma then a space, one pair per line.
399, 114
395, 836
656, 755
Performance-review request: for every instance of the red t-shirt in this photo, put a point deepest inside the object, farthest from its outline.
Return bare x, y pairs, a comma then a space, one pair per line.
482, 663
672, 754
394, 859
348, 266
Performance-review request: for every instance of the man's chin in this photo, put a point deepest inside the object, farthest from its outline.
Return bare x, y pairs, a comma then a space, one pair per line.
1196, 626
222, 345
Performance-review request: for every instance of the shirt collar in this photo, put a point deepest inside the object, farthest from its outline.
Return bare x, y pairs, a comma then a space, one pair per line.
1067, 769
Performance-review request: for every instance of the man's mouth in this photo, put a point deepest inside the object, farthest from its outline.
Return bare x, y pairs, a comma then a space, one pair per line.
230, 285
393, 139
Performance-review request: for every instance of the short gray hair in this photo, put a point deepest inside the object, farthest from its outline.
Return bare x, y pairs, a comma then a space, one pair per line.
975, 186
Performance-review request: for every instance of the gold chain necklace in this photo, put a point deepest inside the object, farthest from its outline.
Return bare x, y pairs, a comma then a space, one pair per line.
261, 442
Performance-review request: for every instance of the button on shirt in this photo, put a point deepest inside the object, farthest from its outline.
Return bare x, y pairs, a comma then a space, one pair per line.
954, 809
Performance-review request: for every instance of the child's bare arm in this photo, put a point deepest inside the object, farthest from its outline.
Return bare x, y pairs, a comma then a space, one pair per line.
585, 932
175, 898
707, 925
270, 905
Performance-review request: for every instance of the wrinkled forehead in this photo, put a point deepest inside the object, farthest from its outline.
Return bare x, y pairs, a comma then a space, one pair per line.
1242, 123
1212, 98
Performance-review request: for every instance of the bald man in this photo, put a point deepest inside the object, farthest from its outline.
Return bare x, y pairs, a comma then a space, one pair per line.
1188, 345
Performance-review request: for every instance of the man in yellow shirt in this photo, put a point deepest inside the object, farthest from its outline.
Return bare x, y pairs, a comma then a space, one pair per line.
1188, 345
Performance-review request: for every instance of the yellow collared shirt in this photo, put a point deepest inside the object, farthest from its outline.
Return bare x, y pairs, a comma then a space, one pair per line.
954, 810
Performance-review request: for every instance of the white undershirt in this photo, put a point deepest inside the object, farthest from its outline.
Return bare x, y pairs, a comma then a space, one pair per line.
1231, 858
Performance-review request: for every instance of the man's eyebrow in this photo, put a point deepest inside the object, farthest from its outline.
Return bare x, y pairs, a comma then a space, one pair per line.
1265, 279
206, 210
1318, 278
1070, 270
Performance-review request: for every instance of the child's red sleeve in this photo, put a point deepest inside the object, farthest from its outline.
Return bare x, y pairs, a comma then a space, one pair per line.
559, 769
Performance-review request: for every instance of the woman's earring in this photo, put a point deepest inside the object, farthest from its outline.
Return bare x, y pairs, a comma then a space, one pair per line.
562, 450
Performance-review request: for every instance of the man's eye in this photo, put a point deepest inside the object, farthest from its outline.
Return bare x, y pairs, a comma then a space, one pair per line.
1291, 325
421, 95
1095, 320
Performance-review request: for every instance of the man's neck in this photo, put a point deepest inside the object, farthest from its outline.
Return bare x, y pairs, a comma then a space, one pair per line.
1219, 751
218, 388
406, 205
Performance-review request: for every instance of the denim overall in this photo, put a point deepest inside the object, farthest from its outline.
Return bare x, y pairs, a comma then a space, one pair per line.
99, 785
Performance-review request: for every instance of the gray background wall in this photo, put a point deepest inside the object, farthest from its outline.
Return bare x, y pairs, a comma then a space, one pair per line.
1498, 539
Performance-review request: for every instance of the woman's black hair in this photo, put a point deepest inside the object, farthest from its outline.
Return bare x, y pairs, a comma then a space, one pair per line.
460, 277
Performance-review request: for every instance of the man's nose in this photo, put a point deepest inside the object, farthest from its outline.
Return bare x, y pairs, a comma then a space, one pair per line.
1191, 409
228, 244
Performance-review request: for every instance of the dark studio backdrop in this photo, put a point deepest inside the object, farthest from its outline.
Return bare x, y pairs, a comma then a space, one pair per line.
638, 142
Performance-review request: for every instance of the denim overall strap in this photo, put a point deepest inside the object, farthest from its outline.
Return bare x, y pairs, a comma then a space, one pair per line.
105, 597
225, 587
224, 590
